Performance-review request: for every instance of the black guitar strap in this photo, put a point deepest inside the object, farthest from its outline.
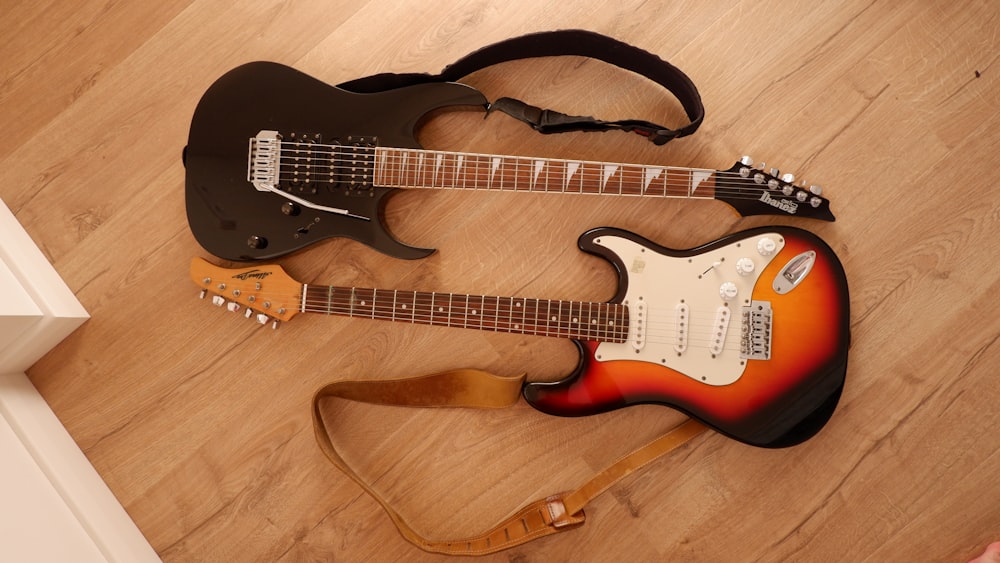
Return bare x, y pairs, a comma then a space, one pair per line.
558, 43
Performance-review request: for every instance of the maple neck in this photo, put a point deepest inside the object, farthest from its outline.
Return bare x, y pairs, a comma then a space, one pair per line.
419, 168
605, 322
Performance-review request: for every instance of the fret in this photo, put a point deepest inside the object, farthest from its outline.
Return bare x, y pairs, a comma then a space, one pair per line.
466, 321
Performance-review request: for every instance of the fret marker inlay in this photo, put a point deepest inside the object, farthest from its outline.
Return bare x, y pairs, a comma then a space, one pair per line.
697, 177
571, 168
650, 174
609, 171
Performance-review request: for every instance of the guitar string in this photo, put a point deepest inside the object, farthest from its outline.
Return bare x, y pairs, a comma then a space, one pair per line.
427, 303
725, 180
499, 323
591, 182
423, 312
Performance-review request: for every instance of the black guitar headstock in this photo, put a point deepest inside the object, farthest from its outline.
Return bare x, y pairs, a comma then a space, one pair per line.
757, 190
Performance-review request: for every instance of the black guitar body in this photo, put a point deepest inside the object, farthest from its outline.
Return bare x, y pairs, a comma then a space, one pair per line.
234, 220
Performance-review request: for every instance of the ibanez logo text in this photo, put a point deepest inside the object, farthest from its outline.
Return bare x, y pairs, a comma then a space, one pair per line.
252, 275
789, 207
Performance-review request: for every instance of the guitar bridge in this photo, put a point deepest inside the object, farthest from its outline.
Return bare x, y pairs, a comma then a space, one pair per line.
755, 339
264, 160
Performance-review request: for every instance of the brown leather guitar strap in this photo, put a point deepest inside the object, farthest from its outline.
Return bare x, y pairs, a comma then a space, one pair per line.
479, 389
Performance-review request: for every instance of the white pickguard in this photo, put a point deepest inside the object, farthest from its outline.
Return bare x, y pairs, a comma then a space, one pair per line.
660, 286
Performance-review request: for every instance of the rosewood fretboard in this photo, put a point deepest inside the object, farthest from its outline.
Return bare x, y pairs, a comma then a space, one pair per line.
605, 322
418, 168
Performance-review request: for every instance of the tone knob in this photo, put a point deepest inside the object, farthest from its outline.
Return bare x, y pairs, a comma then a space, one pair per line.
766, 246
744, 266
728, 291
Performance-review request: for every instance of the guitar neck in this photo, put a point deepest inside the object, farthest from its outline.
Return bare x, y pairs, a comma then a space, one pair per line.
419, 168
605, 322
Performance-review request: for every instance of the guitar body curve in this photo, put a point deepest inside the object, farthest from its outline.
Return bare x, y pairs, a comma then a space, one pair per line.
721, 380
233, 220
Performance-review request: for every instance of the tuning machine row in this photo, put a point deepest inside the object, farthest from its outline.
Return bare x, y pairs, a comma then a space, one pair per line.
778, 181
234, 307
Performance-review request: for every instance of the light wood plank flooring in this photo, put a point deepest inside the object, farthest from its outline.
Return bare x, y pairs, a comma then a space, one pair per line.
199, 421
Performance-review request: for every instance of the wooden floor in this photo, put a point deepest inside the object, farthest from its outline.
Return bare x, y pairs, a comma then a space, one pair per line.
199, 421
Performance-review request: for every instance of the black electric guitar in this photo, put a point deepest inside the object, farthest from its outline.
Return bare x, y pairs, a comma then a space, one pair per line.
277, 160
748, 334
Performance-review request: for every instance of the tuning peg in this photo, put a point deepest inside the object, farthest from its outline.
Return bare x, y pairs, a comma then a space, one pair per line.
248, 313
233, 306
815, 201
274, 325
202, 294
788, 178
218, 300
816, 190
775, 172
745, 160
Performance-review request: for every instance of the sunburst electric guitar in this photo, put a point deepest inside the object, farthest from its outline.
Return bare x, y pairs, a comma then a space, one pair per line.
277, 160
748, 334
